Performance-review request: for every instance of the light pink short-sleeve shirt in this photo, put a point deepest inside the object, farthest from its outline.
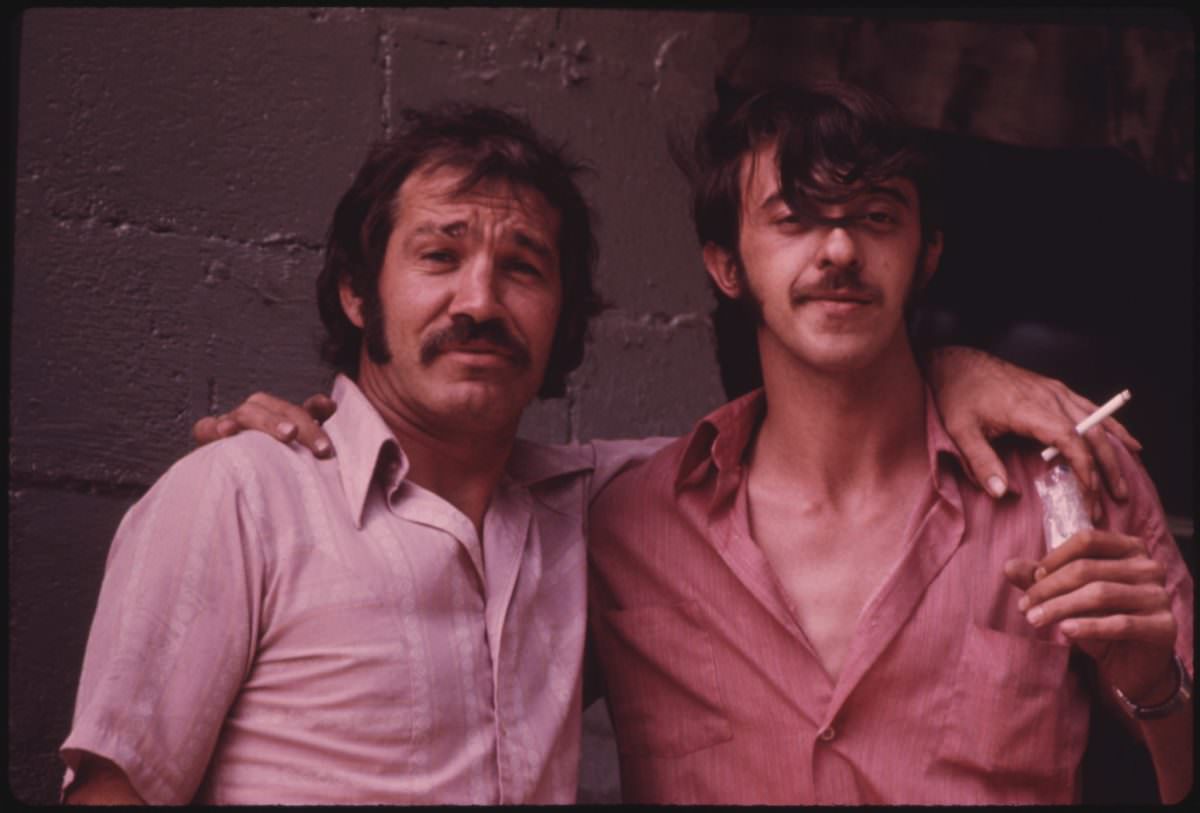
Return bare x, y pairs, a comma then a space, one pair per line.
275, 629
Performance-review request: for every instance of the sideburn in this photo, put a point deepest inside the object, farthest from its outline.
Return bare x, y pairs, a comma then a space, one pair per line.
373, 332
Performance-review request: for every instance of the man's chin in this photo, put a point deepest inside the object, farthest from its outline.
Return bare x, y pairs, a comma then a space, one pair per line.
491, 399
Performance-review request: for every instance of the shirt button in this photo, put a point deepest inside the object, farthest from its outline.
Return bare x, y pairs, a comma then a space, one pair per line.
828, 734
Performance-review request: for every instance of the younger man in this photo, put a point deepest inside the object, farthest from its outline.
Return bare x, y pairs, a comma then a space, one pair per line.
803, 601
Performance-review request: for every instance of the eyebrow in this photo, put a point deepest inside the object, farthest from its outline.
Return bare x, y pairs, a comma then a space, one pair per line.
877, 190
456, 228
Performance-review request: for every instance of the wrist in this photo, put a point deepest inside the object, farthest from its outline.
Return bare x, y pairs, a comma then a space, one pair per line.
1156, 692
1159, 698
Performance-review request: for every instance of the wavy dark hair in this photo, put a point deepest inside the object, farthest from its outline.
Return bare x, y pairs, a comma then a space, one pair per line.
833, 139
486, 144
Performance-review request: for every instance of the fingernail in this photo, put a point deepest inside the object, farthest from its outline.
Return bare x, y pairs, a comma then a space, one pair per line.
995, 486
1122, 488
1023, 604
1039, 574
322, 446
1069, 627
1035, 616
286, 428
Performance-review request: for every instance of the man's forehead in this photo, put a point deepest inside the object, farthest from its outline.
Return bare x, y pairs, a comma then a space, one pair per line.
434, 189
762, 189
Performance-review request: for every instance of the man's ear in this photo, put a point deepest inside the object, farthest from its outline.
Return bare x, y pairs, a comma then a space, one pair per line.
933, 256
352, 303
723, 269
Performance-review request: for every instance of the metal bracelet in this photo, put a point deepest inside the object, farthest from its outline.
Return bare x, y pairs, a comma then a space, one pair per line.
1183, 693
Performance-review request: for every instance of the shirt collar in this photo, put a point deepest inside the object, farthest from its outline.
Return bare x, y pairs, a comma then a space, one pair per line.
720, 438
364, 444
532, 463
367, 449
719, 441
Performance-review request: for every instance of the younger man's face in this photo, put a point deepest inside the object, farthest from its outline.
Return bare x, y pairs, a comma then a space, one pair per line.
830, 282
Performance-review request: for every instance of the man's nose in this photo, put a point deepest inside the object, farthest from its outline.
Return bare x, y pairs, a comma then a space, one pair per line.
838, 249
476, 293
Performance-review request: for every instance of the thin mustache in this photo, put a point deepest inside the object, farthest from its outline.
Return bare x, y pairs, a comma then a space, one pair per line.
463, 330
842, 281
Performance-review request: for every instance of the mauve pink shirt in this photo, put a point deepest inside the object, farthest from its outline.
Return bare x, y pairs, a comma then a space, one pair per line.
275, 629
947, 694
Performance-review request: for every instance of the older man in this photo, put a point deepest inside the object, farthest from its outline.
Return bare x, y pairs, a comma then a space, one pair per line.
404, 622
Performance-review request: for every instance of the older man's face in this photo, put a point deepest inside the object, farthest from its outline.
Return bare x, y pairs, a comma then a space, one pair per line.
470, 295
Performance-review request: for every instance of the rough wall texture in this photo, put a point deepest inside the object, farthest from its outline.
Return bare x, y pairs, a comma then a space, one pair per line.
176, 169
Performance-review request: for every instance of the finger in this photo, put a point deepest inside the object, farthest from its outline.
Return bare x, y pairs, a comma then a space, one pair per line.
1019, 573
1124, 435
1106, 457
1100, 445
1149, 628
1046, 416
1081, 572
1091, 543
317, 409
261, 416
320, 407
1099, 599
205, 430
983, 465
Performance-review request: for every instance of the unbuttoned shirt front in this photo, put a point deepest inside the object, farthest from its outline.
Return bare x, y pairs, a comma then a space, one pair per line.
274, 629
947, 693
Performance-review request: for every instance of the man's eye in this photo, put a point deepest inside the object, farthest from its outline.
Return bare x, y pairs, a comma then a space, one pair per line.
881, 218
524, 269
440, 257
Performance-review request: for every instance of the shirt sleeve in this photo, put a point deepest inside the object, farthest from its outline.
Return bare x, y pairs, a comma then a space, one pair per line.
615, 456
172, 638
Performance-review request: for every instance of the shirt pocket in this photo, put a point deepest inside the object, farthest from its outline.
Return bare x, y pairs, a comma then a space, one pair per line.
663, 691
1010, 720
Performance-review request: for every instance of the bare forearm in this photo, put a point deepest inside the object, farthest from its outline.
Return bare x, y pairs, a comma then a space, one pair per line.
100, 782
1171, 748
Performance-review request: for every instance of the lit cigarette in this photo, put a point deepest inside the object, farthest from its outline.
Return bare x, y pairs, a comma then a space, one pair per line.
1087, 423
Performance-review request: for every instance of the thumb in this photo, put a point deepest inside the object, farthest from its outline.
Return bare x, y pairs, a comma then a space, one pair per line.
1019, 572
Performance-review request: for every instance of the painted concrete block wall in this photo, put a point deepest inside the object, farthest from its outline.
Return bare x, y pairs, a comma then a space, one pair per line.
176, 170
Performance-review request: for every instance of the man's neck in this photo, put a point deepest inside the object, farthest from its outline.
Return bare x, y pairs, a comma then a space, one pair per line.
843, 435
458, 463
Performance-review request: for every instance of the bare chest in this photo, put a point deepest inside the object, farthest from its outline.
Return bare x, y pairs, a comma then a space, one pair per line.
828, 568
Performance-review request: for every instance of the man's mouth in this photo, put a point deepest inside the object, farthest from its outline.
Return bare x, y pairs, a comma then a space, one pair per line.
480, 347
838, 297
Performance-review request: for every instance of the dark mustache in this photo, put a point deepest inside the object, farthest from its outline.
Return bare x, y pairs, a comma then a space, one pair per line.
842, 280
463, 329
